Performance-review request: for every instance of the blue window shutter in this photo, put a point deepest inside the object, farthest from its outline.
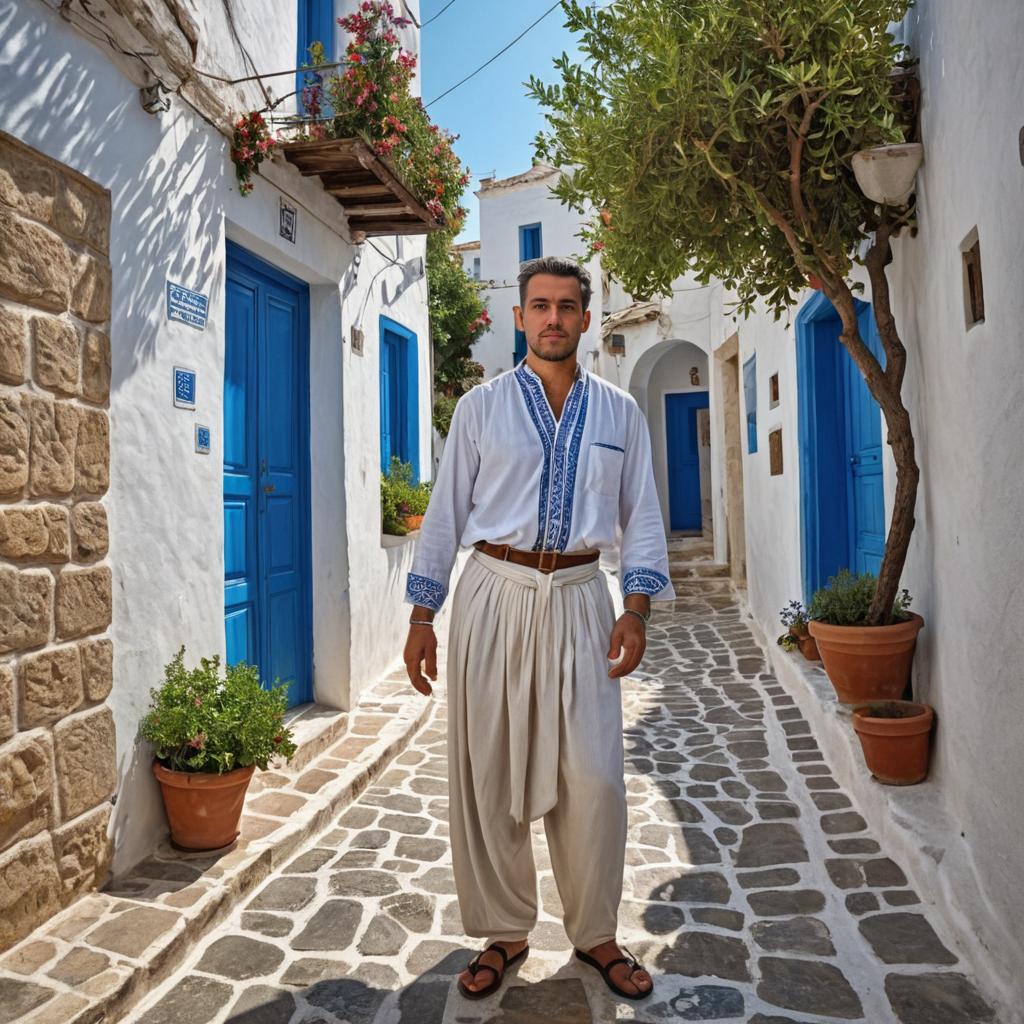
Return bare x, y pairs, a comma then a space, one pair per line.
399, 396
315, 25
750, 401
519, 353
529, 242
386, 411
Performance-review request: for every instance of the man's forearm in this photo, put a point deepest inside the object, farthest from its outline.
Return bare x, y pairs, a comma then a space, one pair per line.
638, 603
421, 612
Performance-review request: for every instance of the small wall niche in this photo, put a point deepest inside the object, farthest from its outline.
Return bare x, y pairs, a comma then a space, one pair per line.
775, 452
973, 286
773, 391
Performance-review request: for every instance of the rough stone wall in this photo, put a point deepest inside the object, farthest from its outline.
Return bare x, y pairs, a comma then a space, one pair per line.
57, 768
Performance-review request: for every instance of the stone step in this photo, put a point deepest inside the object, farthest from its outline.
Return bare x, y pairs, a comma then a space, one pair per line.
703, 570
687, 585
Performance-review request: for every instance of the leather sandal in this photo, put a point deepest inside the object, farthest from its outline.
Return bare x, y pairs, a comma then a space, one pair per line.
632, 963
475, 966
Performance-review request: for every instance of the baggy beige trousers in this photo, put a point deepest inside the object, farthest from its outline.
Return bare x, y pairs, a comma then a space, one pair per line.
534, 730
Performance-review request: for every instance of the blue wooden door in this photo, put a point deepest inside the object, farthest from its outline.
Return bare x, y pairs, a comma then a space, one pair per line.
683, 458
267, 590
840, 433
866, 510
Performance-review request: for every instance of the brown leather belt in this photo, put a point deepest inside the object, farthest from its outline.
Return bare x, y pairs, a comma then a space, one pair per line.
543, 561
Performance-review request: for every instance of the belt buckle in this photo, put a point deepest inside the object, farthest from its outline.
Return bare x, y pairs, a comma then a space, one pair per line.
554, 561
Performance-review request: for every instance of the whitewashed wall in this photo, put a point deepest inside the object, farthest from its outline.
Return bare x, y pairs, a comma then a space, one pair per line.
967, 558
175, 202
502, 211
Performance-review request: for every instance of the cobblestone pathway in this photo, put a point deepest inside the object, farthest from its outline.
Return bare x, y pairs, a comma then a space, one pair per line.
753, 889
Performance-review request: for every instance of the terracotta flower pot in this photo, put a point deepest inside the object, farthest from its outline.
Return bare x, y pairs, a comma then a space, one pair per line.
808, 647
896, 739
867, 663
203, 810
412, 522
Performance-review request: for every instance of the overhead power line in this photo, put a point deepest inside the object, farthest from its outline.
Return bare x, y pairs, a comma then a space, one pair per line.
504, 49
438, 15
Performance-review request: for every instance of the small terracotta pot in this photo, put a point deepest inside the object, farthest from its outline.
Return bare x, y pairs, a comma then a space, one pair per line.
203, 809
808, 647
412, 522
866, 663
896, 740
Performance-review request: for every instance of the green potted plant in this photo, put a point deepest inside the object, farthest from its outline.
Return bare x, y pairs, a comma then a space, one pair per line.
794, 618
896, 739
210, 730
863, 662
403, 502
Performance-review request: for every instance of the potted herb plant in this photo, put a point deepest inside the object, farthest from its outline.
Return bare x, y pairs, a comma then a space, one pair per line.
863, 662
210, 731
403, 502
896, 739
794, 618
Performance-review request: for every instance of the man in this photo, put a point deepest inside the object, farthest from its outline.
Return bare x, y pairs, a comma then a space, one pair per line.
544, 466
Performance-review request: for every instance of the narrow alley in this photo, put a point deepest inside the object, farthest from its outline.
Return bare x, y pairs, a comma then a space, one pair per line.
753, 890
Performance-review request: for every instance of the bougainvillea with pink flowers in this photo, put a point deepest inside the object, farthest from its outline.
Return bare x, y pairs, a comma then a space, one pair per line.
251, 146
369, 96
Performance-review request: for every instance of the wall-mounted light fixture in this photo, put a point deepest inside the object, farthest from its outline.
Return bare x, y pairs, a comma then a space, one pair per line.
155, 99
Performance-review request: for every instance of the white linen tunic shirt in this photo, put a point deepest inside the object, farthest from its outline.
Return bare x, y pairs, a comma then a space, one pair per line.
512, 474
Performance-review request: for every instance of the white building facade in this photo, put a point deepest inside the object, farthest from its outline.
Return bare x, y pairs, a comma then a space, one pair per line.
198, 346
796, 502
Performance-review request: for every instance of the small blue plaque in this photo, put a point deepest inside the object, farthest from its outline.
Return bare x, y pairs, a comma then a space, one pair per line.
186, 306
184, 388
202, 439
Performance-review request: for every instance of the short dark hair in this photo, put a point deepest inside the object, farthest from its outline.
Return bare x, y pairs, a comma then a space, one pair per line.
560, 267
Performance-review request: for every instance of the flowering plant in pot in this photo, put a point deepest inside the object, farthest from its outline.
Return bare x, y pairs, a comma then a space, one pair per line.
210, 730
863, 662
794, 618
369, 97
895, 736
403, 502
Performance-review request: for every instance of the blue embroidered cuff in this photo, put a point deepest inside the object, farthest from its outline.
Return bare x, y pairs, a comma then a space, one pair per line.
424, 591
643, 581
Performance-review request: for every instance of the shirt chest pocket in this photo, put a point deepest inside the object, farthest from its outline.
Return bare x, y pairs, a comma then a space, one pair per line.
604, 469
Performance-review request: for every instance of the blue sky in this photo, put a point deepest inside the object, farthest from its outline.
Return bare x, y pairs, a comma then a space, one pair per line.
491, 113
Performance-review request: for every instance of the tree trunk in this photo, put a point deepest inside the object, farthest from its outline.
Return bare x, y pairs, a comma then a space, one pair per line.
885, 386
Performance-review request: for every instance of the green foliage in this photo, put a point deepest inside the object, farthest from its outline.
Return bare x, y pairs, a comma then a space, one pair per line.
847, 597
684, 124
400, 496
202, 721
444, 409
458, 317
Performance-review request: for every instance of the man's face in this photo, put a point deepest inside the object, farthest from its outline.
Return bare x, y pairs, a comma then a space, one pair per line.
553, 317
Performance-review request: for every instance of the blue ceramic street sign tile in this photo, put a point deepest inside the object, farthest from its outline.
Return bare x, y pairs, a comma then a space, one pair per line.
202, 439
184, 388
186, 306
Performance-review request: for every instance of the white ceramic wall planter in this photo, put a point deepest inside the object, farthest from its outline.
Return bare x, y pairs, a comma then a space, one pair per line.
886, 174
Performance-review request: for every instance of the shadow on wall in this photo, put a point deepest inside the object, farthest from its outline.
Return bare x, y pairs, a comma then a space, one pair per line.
156, 232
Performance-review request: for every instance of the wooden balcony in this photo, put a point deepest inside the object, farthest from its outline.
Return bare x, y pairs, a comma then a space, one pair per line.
376, 200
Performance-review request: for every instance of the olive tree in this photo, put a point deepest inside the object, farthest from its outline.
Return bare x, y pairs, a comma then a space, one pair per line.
716, 137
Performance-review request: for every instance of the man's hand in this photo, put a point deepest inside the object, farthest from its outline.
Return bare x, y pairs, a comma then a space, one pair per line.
629, 638
421, 654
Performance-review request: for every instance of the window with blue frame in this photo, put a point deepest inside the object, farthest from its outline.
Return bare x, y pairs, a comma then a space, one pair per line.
399, 397
529, 242
750, 401
315, 25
